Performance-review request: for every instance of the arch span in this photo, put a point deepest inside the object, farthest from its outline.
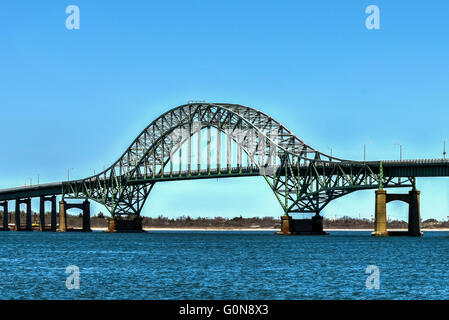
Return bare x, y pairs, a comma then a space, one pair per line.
302, 178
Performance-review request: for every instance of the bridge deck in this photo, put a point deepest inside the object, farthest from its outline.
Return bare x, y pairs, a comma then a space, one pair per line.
391, 168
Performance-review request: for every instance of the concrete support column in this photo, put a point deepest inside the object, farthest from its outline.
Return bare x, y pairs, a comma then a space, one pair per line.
380, 222
5, 216
17, 213
62, 217
313, 226
285, 225
28, 214
414, 217
118, 224
53, 213
86, 216
42, 214
317, 223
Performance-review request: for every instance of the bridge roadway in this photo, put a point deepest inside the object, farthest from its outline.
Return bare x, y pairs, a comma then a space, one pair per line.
391, 168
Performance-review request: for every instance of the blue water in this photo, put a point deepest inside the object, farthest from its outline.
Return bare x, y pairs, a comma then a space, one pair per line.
222, 265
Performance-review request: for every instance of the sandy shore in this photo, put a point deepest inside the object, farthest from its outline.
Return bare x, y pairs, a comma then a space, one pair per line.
255, 229
197, 229
387, 230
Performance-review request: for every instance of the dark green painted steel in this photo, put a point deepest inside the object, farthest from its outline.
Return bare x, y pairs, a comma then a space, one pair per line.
411, 168
302, 178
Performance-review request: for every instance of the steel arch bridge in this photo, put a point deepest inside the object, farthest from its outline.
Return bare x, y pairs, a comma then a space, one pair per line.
245, 142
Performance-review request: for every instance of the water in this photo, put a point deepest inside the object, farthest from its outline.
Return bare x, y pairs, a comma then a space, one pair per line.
222, 265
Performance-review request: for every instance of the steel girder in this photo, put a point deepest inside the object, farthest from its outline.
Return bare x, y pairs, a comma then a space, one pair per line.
308, 188
302, 178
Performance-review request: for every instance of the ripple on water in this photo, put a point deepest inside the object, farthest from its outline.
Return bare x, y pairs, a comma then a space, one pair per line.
222, 265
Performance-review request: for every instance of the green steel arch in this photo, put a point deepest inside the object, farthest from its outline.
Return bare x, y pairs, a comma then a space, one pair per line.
302, 178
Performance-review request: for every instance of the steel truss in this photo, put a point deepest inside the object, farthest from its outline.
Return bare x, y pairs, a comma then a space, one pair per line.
302, 178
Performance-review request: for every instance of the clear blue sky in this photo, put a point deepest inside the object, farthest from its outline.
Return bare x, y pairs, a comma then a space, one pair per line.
77, 98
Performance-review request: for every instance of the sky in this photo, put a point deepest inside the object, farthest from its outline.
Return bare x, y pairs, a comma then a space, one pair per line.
73, 100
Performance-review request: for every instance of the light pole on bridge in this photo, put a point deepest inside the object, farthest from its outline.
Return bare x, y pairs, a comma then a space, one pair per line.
400, 155
400, 150
444, 150
68, 173
364, 151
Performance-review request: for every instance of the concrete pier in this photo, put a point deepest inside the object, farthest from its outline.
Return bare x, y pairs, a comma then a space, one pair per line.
414, 216
4, 204
414, 219
64, 206
62, 216
131, 225
17, 215
380, 222
285, 225
42, 224
28, 226
53, 214
290, 226
86, 216
42, 214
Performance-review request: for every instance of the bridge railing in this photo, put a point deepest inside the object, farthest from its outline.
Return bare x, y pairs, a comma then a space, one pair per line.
417, 161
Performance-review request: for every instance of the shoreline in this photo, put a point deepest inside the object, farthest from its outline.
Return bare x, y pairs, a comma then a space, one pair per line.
262, 229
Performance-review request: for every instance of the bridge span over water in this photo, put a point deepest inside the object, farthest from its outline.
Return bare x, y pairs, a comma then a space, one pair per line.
218, 140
